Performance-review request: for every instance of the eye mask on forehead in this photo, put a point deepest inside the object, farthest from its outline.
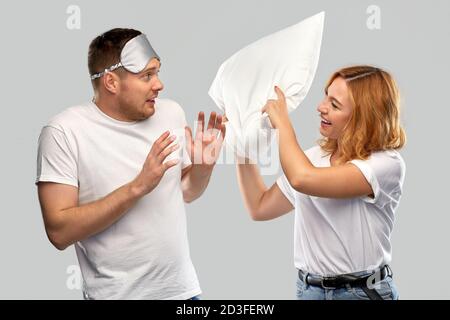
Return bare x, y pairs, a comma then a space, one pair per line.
134, 57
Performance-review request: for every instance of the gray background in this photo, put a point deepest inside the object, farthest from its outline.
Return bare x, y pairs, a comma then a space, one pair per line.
44, 71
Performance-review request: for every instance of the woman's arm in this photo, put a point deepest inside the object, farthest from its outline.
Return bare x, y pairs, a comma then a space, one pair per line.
261, 203
343, 181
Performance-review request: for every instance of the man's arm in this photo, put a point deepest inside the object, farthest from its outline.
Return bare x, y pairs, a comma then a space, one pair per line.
194, 182
66, 222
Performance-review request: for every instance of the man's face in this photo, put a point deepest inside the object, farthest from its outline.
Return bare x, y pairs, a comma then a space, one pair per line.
138, 92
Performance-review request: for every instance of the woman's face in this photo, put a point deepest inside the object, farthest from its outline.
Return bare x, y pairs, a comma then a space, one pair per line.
335, 109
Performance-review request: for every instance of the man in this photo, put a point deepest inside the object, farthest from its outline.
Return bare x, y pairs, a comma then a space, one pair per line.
101, 189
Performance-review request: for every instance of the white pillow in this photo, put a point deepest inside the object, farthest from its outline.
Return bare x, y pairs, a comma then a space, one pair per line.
245, 81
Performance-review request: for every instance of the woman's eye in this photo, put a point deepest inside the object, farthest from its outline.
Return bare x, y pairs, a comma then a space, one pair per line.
334, 105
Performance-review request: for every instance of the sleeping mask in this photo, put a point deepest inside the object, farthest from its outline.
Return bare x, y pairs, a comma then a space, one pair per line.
134, 56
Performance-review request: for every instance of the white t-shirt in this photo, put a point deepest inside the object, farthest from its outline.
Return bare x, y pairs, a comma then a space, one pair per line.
337, 236
145, 254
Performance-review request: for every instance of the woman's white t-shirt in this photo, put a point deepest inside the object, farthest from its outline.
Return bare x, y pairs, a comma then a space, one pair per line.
338, 236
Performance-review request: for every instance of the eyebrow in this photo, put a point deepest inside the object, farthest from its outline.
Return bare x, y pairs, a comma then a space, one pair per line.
153, 69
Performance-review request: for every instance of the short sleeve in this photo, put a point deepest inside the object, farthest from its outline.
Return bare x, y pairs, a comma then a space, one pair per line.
286, 189
55, 159
385, 173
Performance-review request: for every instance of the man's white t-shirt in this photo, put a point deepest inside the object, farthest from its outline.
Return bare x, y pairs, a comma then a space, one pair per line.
338, 236
145, 254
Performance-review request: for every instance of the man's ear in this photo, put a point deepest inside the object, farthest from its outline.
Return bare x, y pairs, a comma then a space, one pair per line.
111, 82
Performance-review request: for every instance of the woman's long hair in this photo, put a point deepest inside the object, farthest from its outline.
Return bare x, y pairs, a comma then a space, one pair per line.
375, 121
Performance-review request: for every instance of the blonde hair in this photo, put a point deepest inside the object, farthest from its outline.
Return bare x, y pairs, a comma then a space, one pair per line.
374, 124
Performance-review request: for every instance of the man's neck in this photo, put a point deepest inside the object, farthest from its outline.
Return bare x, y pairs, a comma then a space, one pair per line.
110, 108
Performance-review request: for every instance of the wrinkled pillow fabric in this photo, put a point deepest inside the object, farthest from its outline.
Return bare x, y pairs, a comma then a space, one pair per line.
245, 81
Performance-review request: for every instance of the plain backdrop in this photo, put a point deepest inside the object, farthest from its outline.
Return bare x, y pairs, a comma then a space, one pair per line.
44, 71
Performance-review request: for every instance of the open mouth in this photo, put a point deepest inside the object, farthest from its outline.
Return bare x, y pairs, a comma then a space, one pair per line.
325, 122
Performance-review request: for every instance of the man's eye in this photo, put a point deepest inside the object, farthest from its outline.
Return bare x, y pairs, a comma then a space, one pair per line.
148, 76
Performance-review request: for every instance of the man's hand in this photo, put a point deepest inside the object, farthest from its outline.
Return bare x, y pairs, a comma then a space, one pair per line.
205, 148
203, 151
154, 166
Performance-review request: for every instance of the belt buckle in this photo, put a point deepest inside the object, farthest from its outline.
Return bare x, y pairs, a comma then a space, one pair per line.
324, 286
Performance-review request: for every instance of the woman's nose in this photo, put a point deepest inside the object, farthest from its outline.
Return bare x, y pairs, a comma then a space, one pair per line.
322, 108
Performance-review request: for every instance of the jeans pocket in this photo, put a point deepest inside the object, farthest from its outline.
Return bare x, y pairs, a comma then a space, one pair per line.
300, 288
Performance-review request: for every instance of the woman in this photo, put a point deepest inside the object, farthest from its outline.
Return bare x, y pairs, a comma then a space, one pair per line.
344, 191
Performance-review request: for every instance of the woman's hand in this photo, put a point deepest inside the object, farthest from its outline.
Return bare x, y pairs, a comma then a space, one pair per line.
277, 110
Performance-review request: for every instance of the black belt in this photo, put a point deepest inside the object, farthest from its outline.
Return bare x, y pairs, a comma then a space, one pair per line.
359, 279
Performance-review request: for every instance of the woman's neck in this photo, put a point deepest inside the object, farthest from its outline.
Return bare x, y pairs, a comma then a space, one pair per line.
334, 156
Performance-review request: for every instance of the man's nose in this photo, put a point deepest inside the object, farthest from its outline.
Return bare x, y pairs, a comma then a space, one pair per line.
158, 85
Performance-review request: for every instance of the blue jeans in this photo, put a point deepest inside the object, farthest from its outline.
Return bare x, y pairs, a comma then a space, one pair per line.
197, 297
386, 288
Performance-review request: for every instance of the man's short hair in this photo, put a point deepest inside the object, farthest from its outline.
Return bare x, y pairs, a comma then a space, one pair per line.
104, 50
